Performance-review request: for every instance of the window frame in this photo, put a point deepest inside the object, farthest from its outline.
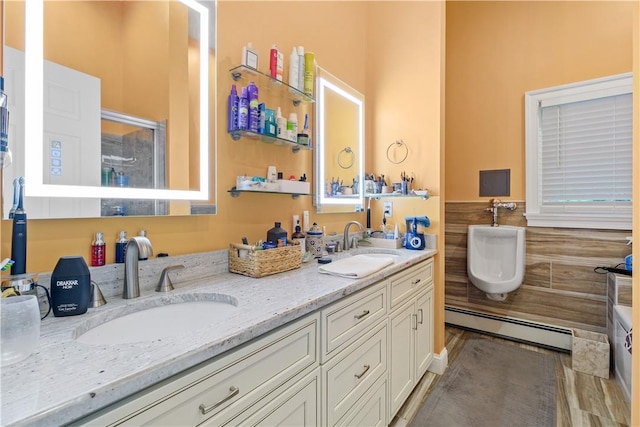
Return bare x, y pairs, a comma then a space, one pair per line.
621, 218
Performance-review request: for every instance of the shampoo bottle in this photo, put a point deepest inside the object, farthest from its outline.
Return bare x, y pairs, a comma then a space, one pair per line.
309, 73
281, 125
275, 63
292, 127
121, 247
98, 251
254, 113
301, 68
293, 68
243, 110
70, 287
232, 113
299, 237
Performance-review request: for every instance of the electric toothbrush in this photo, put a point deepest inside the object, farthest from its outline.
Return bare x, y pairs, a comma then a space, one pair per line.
19, 235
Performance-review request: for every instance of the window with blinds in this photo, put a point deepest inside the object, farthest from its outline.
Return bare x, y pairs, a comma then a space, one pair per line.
579, 154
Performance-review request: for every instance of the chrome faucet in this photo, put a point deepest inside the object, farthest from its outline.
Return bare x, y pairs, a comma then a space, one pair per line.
495, 204
139, 247
346, 233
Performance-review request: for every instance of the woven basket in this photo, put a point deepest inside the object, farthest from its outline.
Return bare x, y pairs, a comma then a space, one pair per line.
260, 263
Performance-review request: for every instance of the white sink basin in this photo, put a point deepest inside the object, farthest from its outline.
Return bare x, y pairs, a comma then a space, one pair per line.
169, 317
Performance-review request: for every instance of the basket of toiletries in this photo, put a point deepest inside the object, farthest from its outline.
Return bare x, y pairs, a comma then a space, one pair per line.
253, 261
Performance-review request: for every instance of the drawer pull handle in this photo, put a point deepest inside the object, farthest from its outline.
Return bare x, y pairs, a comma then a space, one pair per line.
366, 368
363, 314
233, 392
421, 316
415, 282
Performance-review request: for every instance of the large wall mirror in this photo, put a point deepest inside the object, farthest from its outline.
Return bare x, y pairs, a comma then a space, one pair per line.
109, 107
340, 147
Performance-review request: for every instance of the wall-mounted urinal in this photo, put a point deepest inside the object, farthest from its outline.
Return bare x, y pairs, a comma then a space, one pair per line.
496, 259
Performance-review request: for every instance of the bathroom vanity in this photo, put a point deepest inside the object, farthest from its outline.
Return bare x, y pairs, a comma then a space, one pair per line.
301, 347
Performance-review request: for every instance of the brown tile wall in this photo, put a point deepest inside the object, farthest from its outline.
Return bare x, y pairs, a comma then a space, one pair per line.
560, 286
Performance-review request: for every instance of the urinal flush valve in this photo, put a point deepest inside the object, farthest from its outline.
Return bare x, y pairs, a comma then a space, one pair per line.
495, 204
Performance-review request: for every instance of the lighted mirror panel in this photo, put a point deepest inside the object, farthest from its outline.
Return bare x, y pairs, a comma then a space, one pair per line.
114, 105
340, 148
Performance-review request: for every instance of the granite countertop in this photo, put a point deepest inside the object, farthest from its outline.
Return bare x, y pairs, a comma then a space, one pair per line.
65, 380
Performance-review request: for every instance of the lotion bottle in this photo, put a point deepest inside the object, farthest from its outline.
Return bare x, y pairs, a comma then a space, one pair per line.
293, 69
300, 68
281, 125
309, 73
249, 57
275, 63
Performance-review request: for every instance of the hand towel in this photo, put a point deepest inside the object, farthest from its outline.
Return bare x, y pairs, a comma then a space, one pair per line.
355, 267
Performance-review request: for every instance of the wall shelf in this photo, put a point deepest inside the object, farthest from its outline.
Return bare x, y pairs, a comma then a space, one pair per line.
378, 196
267, 83
236, 193
295, 147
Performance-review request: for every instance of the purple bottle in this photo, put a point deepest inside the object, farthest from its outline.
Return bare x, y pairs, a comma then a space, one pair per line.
243, 110
232, 117
254, 112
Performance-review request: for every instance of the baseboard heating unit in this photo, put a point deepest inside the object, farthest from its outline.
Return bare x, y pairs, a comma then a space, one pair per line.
539, 334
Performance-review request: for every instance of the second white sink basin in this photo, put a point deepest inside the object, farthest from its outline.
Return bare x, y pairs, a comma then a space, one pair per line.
148, 324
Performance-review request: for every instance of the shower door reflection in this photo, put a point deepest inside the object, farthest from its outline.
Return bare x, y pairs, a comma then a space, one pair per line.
132, 155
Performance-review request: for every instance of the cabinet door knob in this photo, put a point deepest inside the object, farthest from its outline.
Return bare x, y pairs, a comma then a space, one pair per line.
366, 368
233, 392
415, 282
363, 314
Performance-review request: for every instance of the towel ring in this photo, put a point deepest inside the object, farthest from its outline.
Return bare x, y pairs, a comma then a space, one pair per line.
398, 143
350, 160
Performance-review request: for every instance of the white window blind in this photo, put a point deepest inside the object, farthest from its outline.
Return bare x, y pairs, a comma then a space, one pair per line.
579, 155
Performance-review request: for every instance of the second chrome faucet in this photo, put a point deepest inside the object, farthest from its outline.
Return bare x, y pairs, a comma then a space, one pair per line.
139, 247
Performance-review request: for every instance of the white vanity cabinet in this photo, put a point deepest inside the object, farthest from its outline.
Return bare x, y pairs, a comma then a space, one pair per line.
410, 331
353, 352
236, 383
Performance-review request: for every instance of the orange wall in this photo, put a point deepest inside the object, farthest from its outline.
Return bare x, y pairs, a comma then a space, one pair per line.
405, 93
498, 50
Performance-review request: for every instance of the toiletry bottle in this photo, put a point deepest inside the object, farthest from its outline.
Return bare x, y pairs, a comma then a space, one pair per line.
299, 237
105, 176
281, 125
112, 177
301, 68
249, 56
309, 73
294, 61
243, 110
277, 233
4, 119
262, 118
143, 233
292, 127
121, 247
232, 112
275, 63
303, 137
254, 113
70, 287
98, 251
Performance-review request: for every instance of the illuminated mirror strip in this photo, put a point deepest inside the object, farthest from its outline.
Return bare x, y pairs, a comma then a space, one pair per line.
34, 79
323, 85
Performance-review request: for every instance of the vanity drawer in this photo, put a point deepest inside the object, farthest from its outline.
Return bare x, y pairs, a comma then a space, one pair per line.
228, 385
349, 318
404, 284
348, 376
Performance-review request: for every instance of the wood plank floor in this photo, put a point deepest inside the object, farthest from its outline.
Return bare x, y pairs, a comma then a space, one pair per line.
582, 399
